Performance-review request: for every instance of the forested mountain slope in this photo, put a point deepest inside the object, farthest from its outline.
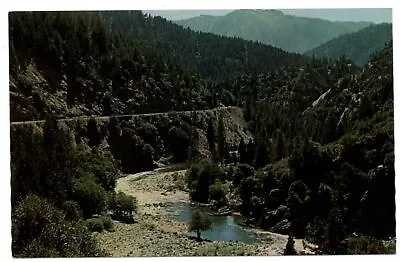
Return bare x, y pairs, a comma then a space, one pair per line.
310, 153
212, 56
357, 46
330, 176
81, 64
292, 33
70, 64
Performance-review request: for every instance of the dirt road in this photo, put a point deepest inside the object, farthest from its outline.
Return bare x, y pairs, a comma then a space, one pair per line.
85, 118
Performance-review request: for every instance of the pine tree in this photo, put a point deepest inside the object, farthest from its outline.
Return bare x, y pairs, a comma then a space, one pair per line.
211, 138
114, 136
242, 151
250, 152
289, 249
329, 129
279, 150
193, 153
262, 156
179, 143
193, 144
221, 139
58, 172
93, 133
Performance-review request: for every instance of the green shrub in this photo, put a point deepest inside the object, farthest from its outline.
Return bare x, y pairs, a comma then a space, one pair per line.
101, 164
147, 157
237, 177
110, 199
90, 196
123, 207
209, 250
218, 192
40, 230
363, 245
107, 223
95, 224
221, 249
199, 178
72, 210
199, 222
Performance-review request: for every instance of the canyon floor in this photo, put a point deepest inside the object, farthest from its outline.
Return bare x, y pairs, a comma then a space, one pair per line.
155, 234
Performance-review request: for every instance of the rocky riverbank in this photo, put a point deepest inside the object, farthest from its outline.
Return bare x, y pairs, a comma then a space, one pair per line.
154, 234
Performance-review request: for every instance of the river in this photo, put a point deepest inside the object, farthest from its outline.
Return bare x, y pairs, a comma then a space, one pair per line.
224, 228
162, 218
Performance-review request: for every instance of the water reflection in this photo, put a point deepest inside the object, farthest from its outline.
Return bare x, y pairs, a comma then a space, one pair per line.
224, 228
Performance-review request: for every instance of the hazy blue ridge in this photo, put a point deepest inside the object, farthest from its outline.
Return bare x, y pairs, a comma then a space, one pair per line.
291, 33
357, 46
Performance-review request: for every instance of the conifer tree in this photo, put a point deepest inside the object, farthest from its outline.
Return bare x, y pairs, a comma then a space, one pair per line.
114, 136
93, 133
211, 138
193, 144
221, 139
279, 146
57, 174
262, 157
289, 249
242, 151
250, 152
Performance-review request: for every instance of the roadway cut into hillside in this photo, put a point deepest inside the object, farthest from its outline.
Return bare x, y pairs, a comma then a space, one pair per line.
234, 124
122, 117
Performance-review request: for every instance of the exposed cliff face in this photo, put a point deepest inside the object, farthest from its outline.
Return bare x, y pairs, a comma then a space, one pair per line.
357, 97
33, 96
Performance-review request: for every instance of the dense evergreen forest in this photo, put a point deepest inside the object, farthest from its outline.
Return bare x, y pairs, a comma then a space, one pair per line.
91, 67
357, 46
315, 160
216, 57
71, 64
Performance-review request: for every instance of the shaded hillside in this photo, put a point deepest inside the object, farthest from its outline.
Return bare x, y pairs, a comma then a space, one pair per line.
69, 64
338, 193
320, 101
274, 102
357, 46
73, 63
212, 56
292, 33
357, 97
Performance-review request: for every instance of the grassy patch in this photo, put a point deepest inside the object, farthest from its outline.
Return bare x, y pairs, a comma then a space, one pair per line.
221, 249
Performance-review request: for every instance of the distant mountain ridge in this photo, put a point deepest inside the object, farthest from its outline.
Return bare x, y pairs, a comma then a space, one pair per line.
273, 27
357, 46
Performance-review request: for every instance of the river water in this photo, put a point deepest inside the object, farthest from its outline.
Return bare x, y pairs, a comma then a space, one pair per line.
224, 228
